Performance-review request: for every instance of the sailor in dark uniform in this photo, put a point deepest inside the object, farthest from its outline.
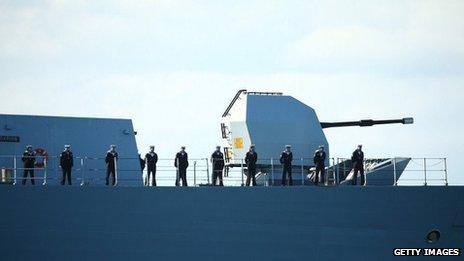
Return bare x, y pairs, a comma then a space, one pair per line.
250, 160
151, 159
319, 161
29, 164
181, 163
286, 160
217, 160
358, 165
66, 164
111, 164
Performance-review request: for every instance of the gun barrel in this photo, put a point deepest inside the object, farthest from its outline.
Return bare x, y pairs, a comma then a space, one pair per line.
365, 123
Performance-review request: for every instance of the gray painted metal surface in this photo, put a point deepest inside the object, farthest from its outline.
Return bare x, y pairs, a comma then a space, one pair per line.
271, 122
232, 223
89, 137
386, 173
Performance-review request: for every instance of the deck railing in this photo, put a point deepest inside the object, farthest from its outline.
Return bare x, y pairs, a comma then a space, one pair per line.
92, 171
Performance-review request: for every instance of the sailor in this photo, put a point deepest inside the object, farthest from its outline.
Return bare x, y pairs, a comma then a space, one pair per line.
286, 160
29, 164
250, 159
111, 164
217, 160
66, 164
319, 161
151, 159
358, 165
181, 163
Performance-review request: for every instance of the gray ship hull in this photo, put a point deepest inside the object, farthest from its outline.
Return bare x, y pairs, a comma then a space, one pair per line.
233, 223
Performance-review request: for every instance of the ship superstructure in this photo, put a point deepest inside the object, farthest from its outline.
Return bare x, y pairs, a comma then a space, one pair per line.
272, 120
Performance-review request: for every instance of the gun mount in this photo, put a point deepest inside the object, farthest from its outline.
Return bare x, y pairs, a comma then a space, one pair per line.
271, 120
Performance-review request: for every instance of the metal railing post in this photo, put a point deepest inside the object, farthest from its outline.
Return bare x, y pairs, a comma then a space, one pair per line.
394, 173
425, 172
15, 170
446, 171
333, 171
365, 175
344, 169
45, 172
272, 170
243, 182
82, 172
177, 173
145, 178
115, 171
302, 172
337, 172
207, 170
195, 173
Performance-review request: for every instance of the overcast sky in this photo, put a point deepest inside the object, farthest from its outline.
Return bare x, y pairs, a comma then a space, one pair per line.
173, 67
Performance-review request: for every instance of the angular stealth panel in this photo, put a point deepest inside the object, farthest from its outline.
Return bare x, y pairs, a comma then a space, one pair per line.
274, 121
89, 137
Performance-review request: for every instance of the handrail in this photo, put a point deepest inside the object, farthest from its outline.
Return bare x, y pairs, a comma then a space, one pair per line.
233, 102
266, 93
426, 170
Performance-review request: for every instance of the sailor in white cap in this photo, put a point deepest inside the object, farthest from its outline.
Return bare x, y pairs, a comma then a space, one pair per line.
181, 163
358, 165
250, 159
151, 158
66, 164
319, 160
217, 160
111, 160
29, 164
286, 159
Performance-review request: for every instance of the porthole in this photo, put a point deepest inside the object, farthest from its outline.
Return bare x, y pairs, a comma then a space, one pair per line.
433, 236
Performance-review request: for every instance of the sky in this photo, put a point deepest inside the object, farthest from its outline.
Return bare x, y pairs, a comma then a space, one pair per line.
173, 67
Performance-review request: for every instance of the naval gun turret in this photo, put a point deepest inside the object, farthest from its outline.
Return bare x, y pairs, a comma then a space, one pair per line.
271, 120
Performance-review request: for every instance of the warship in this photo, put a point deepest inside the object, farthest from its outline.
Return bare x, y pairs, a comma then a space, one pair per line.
91, 221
